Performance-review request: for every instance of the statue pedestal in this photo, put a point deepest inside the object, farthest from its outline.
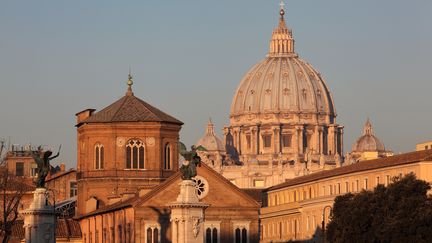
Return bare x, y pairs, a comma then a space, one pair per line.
39, 219
187, 215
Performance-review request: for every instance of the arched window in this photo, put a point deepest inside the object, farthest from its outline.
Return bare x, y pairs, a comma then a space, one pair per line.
134, 154
99, 156
167, 157
153, 233
241, 232
211, 235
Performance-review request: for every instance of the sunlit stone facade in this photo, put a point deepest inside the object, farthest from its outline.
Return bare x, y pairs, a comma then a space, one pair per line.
295, 210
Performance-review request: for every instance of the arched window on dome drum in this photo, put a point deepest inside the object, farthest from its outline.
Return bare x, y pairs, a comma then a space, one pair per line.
99, 156
167, 157
135, 154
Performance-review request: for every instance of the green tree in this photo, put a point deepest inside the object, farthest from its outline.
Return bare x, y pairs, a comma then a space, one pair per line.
401, 212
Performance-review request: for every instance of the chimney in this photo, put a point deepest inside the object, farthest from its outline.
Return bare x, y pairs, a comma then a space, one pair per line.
82, 115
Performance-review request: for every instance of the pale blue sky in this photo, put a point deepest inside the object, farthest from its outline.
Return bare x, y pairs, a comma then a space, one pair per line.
187, 57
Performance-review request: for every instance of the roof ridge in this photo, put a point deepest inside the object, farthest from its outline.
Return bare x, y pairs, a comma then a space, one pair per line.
147, 106
118, 110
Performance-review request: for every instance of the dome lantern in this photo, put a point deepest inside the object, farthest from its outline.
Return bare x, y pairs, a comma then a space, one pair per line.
282, 42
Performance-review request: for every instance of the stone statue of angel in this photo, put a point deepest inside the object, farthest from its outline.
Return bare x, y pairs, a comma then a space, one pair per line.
42, 159
192, 160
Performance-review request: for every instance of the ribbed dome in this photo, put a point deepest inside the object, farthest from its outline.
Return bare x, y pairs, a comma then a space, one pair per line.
368, 142
282, 82
210, 141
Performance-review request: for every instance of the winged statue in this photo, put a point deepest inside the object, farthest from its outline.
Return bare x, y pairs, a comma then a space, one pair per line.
192, 160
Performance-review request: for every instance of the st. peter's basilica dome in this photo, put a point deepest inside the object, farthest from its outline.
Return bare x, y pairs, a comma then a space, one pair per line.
282, 82
283, 110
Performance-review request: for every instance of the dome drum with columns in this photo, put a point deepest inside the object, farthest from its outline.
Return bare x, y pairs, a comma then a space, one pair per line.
283, 107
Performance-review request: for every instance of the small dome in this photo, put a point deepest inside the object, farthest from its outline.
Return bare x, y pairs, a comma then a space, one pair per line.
368, 142
210, 141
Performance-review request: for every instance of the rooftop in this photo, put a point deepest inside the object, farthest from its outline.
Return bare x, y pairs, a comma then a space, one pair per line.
401, 159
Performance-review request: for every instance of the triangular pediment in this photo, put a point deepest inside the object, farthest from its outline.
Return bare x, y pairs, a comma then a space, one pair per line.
221, 193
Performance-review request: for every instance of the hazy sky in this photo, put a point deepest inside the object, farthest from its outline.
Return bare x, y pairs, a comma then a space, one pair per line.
187, 58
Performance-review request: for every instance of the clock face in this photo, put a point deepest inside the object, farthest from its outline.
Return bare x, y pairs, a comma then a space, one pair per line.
150, 141
120, 142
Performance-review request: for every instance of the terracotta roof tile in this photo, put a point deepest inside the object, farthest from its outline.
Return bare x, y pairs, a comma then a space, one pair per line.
400, 159
130, 109
65, 228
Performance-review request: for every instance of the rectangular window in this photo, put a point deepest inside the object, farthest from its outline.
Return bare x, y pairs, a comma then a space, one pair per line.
357, 186
377, 180
309, 141
33, 170
248, 141
73, 189
338, 188
347, 187
387, 180
267, 141
258, 183
286, 140
365, 184
19, 169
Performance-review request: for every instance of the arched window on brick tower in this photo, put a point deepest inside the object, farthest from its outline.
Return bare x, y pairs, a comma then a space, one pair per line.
167, 157
135, 154
99, 156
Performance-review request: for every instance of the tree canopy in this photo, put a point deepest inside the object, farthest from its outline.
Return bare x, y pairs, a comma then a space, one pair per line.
400, 212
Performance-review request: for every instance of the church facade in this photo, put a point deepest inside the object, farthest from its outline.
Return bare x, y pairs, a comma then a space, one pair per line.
127, 147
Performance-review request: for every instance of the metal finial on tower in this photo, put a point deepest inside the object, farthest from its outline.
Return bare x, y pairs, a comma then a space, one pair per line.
129, 83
